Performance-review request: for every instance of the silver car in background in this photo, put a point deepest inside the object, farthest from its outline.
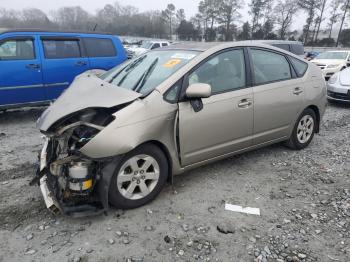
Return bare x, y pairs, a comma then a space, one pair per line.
118, 138
338, 86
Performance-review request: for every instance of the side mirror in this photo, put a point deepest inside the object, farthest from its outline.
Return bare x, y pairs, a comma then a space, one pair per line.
198, 90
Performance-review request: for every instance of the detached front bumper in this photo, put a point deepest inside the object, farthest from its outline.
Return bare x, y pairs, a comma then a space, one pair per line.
93, 203
50, 200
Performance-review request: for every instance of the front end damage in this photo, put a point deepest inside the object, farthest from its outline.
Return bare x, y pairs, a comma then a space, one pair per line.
70, 182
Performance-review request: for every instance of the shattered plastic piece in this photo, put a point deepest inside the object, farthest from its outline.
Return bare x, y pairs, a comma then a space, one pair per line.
246, 210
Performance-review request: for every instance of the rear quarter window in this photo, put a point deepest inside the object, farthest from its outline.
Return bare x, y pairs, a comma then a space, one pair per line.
100, 47
299, 66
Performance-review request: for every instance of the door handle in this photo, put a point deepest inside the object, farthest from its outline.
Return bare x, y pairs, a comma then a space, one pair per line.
80, 63
32, 66
244, 103
297, 91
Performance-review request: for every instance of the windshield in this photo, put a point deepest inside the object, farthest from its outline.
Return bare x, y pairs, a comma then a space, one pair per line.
144, 73
146, 45
333, 55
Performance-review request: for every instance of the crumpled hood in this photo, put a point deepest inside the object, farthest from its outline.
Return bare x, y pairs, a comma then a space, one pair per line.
87, 91
345, 77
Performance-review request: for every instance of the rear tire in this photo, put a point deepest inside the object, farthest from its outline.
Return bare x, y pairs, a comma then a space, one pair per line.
139, 177
304, 130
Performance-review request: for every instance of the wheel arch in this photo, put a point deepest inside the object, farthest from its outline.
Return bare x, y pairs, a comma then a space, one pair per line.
318, 116
166, 152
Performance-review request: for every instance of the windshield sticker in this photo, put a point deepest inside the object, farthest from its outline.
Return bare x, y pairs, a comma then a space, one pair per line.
171, 63
183, 56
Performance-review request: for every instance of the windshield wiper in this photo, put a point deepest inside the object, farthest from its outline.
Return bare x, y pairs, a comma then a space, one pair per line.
128, 69
141, 82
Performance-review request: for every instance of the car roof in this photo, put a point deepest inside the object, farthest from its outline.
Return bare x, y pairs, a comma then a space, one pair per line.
204, 46
38, 30
270, 42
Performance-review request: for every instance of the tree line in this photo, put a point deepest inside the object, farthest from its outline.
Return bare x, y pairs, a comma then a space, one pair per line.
219, 20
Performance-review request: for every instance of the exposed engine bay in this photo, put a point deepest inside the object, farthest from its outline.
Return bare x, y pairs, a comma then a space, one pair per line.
69, 180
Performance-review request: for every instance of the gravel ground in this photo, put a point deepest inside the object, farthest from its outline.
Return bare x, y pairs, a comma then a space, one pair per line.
304, 198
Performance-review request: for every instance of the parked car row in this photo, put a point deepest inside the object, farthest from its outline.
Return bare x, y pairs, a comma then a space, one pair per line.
37, 66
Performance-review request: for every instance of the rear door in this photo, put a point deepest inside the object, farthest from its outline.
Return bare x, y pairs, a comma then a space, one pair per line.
63, 60
20, 71
103, 53
278, 95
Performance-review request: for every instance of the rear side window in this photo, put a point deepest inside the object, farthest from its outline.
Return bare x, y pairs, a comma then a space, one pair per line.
61, 49
164, 44
156, 45
269, 67
297, 49
17, 49
98, 47
299, 66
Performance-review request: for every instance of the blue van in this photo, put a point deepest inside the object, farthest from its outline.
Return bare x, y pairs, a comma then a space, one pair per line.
36, 66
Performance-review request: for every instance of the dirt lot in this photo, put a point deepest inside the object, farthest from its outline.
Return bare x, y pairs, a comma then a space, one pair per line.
304, 198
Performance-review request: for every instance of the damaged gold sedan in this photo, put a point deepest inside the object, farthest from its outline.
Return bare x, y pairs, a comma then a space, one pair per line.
118, 138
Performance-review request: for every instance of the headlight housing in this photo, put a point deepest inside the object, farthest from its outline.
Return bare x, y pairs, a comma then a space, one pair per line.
333, 79
333, 66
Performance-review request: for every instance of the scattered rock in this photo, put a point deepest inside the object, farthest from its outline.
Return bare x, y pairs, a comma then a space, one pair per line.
226, 228
29, 237
30, 252
167, 239
111, 241
126, 241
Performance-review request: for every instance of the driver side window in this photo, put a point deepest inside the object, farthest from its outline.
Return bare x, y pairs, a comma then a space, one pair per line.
223, 72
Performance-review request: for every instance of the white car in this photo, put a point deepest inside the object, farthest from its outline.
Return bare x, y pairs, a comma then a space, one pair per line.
332, 62
338, 86
146, 46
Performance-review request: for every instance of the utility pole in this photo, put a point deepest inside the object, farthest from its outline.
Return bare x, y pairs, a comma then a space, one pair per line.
342, 21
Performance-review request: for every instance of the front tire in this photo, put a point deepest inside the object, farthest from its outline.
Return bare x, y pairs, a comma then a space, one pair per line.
139, 177
304, 130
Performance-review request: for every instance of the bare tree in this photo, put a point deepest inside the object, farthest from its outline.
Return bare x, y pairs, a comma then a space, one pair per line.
257, 8
73, 18
334, 15
228, 12
284, 13
310, 7
346, 7
168, 14
320, 18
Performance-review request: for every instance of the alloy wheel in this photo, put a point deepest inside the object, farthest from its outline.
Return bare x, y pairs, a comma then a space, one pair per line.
138, 176
305, 129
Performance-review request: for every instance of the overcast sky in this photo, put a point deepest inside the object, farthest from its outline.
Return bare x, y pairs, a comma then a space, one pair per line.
190, 6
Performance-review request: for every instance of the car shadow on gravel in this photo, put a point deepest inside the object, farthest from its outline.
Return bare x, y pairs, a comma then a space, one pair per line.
21, 114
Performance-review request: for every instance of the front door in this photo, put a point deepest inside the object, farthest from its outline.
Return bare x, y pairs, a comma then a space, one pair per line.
20, 71
63, 60
225, 124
